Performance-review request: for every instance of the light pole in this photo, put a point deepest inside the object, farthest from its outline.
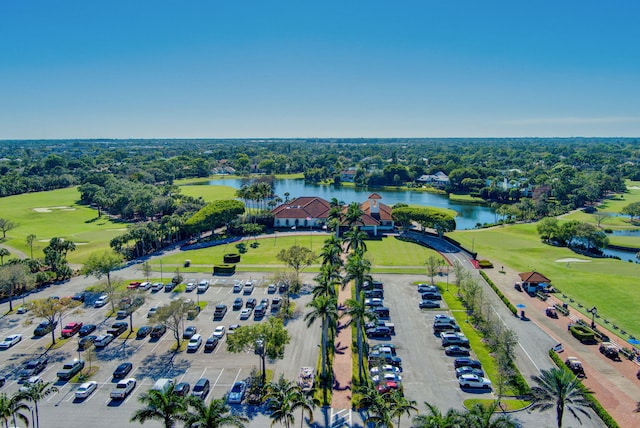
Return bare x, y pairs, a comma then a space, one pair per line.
447, 278
259, 350
593, 311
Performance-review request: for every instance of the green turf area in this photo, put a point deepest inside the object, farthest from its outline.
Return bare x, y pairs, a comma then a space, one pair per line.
608, 284
466, 198
57, 214
208, 193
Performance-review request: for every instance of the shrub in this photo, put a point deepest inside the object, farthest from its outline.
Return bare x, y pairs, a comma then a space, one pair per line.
582, 333
224, 269
231, 258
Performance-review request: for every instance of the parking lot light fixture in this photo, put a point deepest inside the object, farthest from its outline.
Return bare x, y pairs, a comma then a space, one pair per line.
259, 350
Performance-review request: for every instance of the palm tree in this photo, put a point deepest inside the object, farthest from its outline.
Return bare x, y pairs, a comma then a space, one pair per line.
357, 269
3, 253
374, 403
326, 280
435, 418
280, 398
37, 392
399, 405
481, 416
331, 253
29, 241
354, 239
216, 414
324, 308
305, 403
163, 405
354, 214
359, 314
11, 408
561, 389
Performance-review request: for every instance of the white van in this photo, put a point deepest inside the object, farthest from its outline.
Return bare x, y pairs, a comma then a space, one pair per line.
194, 343
162, 384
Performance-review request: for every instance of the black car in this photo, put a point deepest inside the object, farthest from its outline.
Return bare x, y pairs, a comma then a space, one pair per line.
44, 327
189, 331
33, 367
455, 350
118, 328
86, 341
378, 332
79, 296
431, 296
237, 304
122, 370
157, 331
86, 330
182, 389
371, 294
251, 303
143, 332
461, 362
211, 344
426, 304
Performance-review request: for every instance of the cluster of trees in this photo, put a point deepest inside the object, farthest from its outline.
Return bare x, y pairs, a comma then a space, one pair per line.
572, 234
425, 217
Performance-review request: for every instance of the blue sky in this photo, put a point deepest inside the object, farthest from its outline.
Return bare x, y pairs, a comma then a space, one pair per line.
249, 69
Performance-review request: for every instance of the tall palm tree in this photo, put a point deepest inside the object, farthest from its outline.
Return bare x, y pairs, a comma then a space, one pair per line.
436, 419
561, 389
371, 400
357, 268
354, 239
325, 309
11, 407
216, 414
305, 403
481, 416
331, 253
354, 214
399, 405
163, 405
280, 397
35, 394
359, 314
327, 281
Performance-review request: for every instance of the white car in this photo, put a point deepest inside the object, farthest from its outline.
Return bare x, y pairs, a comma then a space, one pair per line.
22, 310
474, 381
86, 389
219, 332
102, 300
102, 341
145, 286
245, 313
387, 377
30, 383
203, 286
237, 286
10, 340
157, 286
191, 285
384, 368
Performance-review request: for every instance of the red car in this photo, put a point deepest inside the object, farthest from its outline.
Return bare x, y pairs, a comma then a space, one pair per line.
71, 329
133, 285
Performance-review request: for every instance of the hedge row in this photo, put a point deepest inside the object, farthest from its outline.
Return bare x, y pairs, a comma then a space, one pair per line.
499, 293
224, 269
595, 404
582, 333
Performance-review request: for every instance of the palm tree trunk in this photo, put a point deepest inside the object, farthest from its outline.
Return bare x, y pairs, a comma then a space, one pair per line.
37, 424
359, 343
559, 413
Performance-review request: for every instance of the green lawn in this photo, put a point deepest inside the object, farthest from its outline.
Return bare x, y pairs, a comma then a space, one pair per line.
208, 192
608, 284
57, 214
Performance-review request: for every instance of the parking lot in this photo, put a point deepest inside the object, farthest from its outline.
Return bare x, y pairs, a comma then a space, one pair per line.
152, 358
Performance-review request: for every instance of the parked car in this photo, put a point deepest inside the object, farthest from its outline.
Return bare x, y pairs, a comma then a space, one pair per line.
10, 340
245, 313
86, 329
32, 382
203, 286
86, 389
384, 347
143, 332
551, 312
431, 296
157, 286
469, 370
71, 328
609, 350
70, 369
575, 366
191, 285
220, 311
33, 367
86, 341
374, 294
122, 370
427, 288
117, 328
384, 368
157, 331
201, 388
460, 362
238, 304
152, 311
44, 327
102, 341
211, 344
455, 350
474, 381
182, 389
251, 303
237, 392
145, 286
374, 302
276, 303
271, 288
163, 384
378, 332
428, 304
237, 287
79, 296
22, 310
248, 287
194, 343
101, 301
189, 331
169, 286
123, 389
219, 331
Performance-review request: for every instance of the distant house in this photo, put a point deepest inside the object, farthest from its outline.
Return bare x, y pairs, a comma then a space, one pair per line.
305, 211
439, 179
348, 175
533, 278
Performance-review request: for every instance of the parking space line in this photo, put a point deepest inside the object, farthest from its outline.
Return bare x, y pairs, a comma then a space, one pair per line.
218, 378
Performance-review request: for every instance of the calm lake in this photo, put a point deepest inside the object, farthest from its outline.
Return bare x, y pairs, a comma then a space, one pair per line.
468, 214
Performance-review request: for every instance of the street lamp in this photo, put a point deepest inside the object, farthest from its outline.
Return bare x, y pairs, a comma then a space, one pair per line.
447, 278
593, 311
259, 350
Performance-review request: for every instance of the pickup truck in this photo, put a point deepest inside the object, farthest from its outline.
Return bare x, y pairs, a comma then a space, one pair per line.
123, 389
70, 369
71, 328
118, 328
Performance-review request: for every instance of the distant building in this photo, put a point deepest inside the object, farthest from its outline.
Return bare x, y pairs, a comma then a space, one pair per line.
377, 216
348, 175
439, 179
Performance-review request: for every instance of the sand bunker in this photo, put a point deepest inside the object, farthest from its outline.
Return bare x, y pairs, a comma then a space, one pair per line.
571, 260
50, 209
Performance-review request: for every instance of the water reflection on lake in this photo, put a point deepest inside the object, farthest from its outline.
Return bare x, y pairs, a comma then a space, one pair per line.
468, 214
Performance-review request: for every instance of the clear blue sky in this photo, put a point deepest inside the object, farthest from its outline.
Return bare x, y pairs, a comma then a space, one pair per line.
263, 68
